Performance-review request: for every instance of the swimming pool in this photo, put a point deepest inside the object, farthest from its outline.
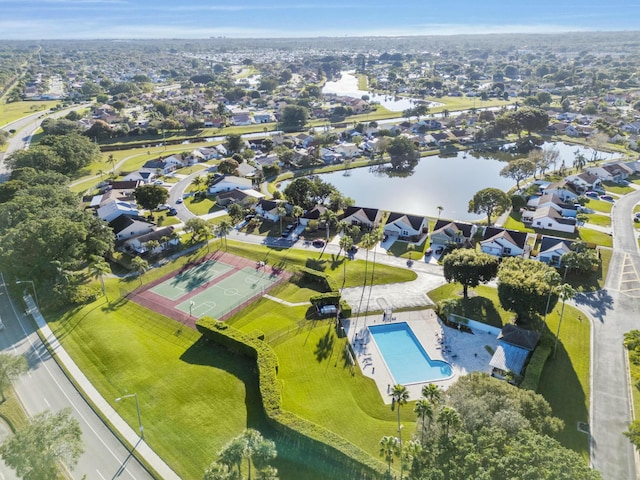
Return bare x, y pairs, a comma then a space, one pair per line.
407, 361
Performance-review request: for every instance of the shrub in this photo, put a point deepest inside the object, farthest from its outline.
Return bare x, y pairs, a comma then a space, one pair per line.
345, 309
320, 279
330, 298
534, 369
300, 431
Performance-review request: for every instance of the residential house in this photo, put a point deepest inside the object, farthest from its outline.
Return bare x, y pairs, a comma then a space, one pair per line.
314, 214
304, 139
247, 198
554, 201
224, 183
563, 189
515, 344
501, 242
548, 218
348, 150
367, 218
552, 249
263, 117
125, 227
163, 236
268, 209
166, 165
144, 175
611, 172
584, 181
446, 231
115, 208
412, 228
241, 118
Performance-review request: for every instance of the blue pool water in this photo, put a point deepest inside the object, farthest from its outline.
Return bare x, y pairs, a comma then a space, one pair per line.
405, 357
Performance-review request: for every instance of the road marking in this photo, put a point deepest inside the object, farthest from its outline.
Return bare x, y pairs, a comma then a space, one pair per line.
45, 401
55, 380
101, 476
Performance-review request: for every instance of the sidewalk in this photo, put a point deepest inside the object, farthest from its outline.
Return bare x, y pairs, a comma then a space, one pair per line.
121, 427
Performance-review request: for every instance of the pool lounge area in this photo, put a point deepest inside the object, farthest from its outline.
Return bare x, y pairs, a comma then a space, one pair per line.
406, 361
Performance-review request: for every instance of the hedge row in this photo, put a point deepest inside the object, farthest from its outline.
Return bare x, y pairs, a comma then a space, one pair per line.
324, 281
330, 298
345, 309
534, 369
301, 431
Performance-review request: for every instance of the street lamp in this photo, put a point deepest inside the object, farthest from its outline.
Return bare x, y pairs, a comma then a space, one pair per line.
35, 295
191, 304
134, 395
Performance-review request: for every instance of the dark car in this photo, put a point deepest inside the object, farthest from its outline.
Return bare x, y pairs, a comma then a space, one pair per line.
318, 242
172, 211
179, 200
606, 198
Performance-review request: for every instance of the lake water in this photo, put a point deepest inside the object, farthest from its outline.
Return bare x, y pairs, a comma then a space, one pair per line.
449, 182
347, 86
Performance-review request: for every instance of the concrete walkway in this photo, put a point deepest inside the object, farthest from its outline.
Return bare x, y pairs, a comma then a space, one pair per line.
284, 302
83, 383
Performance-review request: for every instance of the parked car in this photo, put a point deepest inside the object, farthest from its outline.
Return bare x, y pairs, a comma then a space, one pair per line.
428, 252
158, 182
172, 211
606, 198
592, 194
318, 242
179, 200
439, 250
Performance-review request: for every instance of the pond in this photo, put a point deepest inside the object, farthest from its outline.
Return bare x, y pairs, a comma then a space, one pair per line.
449, 182
347, 86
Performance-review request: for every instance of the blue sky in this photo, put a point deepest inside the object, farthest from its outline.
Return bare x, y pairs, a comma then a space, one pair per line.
45, 19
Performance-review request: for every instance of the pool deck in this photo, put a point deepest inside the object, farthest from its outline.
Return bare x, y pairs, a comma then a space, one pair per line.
465, 352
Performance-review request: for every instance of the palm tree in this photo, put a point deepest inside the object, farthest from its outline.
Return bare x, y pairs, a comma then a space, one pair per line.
346, 242
329, 218
399, 397
112, 161
410, 248
139, 265
98, 268
282, 212
388, 448
197, 182
297, 211
424, 409
257, 449
410, 451
432, 392
579, 161
367, 242
223, 228
440, 208
232, 453
565, 292
448, 418
376, 237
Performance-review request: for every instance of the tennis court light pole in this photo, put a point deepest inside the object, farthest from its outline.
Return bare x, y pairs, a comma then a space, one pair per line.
134, 395
35, 295
191, 304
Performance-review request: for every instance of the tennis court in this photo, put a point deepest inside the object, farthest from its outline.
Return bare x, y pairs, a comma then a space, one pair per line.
229, 293
189, 280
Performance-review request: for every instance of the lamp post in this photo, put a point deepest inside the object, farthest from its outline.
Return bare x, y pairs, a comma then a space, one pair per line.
191, 304
35, 295
134, 395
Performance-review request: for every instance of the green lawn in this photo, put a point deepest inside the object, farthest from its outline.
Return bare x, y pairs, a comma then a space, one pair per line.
601, 220
565, 379
166, 220
595, 236
121, 347
599, 205
400, 249
10, 112
201, 205
614, 188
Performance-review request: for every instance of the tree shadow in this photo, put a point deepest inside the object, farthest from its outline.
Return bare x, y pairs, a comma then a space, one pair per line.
324, 347
316, 264
477, 308
595, 303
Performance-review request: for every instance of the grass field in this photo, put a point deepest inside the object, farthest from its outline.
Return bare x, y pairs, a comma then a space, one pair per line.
10, 112
565, 379
600, 220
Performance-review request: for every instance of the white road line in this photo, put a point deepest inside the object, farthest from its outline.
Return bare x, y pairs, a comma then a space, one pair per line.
101, 476
60, 386
45, 401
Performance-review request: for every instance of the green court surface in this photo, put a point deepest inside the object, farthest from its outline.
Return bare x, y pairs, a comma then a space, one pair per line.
189, 280
224, 296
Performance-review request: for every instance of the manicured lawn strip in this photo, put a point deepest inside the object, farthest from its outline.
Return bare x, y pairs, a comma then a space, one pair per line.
11, 410
10, 112
317, 383
329, 263
400, 249
595, 236
599, 205
601, 220
611, 187
180, 382
565, 379
167, 220
293, 293
201, 205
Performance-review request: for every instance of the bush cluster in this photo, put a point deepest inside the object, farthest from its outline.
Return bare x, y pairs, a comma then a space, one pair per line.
322, 299
299, 430
534, 370
320, 279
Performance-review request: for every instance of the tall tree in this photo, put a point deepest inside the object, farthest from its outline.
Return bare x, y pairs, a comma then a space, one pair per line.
376, 237
293, 118
223, 229
98, 268
490, 201
469, 268
234, 143
139, 266
252, 447
282, 212
35, 451
399, 397
424, 410
519, 170
403, 152
388, 449
297, 211
150, 196
565, 292
11, 366
236, 212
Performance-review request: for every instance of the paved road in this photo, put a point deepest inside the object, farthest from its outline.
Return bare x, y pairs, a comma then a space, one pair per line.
46, 387
614, 311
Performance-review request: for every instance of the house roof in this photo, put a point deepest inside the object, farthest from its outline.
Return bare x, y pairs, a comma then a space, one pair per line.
155, 235
519, 337
516, 238
370, 213
126, 185
449, 228
509, 358
231, 179
267, 205
548, 244
414, 220
122, 222
550, 212
314, 213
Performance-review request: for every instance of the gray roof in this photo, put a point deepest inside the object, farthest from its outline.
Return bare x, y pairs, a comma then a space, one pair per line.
509, 358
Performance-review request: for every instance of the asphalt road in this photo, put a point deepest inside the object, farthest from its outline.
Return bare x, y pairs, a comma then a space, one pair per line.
46, 387
614, 311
